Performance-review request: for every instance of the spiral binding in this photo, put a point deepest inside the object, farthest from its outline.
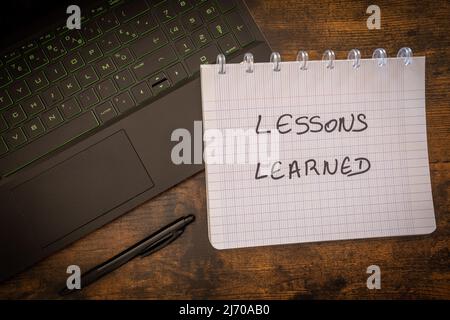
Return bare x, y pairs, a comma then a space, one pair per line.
328, 57
248, 61
302, 56
275, 58
355, 55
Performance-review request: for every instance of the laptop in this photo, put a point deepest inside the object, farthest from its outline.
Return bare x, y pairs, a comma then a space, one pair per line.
86, 116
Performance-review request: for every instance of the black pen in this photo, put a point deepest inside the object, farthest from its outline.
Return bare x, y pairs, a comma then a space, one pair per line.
143, 248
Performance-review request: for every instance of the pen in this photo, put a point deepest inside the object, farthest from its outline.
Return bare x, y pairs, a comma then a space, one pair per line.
143, 248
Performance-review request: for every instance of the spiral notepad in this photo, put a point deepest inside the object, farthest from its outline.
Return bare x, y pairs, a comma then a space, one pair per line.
322, 150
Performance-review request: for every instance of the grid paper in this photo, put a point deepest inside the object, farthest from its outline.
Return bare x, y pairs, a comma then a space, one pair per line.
393, 198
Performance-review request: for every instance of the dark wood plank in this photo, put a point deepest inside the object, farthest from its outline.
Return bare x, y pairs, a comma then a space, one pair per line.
412, 267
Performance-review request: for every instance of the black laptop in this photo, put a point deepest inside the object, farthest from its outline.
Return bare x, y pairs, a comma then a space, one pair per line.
86, 116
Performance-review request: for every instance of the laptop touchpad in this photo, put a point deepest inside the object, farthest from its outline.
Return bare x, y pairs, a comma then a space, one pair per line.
82, 188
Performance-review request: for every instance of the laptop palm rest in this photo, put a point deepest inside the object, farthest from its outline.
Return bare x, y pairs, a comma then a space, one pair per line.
82, 188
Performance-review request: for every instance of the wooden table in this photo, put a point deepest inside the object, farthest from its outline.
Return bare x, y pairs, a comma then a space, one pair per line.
411, 267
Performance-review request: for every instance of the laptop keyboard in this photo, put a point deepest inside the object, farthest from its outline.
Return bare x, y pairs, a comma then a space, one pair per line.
65, 83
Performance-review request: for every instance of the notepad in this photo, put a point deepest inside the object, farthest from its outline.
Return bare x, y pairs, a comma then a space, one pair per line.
349, 157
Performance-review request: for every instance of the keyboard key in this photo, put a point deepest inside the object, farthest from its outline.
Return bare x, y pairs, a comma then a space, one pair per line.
54, 49
206, 55
145, 23
109, 43
184, 46
34, 128
33, 106
11, 55
228, 45
14, 116
218, 28
37, 81
73, 62
161, 86
36, 59
51, 96
86, 76
87, 98
46, 37
175, 29
97, 10
105, 112
18, 68
52, 118
192, 21
225, 5
48, 143
239, 29
126, 34
60, 30
124, 79
69, 86
156, 79
181, 6
5, 100
130, 10
105, 67
108, 22
148, 43
154, 62
15, 138
122, 57
123, 102
176, 73
72, 40
91, 31
90, 53
55, 72
201, 37
5, 78
70, 108
19, 90
141, 92
209, 11
106, 89
164, 12
30, 45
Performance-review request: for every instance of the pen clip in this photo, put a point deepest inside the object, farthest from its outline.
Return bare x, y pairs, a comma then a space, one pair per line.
161, 243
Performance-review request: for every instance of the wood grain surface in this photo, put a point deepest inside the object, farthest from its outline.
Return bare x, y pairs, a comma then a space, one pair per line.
412, 267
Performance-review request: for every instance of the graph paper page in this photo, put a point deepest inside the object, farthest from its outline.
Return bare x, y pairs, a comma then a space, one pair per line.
352, 158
